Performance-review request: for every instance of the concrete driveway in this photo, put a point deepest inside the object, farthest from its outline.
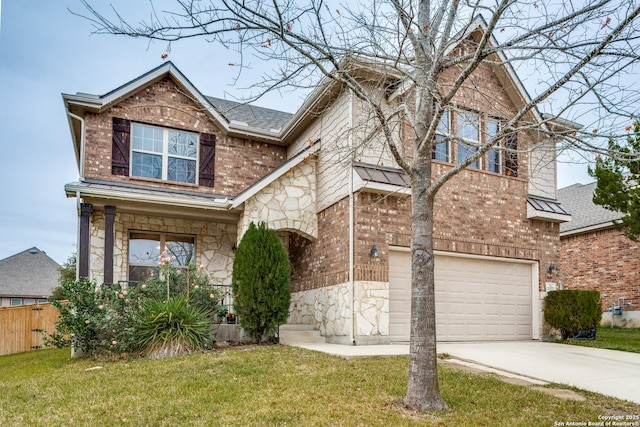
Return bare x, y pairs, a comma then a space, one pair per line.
609, 372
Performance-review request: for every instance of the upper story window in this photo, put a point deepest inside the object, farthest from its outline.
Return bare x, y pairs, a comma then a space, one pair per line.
441, 147
166, 154
494, 159
141, 150
501, 159
468, 127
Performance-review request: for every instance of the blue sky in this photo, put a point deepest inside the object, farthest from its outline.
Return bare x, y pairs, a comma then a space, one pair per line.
46, 51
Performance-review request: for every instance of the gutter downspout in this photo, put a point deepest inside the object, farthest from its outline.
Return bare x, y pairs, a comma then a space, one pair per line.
80, 178
351, 224
81, 159
78, 202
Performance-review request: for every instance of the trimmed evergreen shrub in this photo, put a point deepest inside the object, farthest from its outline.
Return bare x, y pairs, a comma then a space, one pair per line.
573, 311
260, 284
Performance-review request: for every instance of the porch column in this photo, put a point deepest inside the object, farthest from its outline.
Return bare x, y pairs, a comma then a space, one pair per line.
84, 250
109, 216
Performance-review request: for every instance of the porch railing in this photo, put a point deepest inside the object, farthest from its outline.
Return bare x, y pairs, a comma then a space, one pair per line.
226, 298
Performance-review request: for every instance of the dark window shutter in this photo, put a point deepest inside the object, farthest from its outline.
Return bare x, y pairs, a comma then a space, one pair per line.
120, 146
207, 159
511, 156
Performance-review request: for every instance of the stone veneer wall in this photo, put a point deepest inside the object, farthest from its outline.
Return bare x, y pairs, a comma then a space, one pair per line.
213, 243
288, 203
328, 310
371, 312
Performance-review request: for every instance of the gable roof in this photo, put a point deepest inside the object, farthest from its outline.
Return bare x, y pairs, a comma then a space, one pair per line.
30, 273
586, 215
233, 117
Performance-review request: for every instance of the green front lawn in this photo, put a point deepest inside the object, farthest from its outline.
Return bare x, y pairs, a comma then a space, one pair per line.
265, 385
624, 339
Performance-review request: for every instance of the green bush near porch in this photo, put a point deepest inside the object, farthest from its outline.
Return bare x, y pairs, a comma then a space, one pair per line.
112, 320
260, 283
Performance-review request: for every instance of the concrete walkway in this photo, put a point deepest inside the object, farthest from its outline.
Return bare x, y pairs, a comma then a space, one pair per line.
609, 372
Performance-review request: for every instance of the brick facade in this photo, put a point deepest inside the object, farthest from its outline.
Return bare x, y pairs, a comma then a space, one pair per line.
604, 260
476, 213
325, 261
238, 162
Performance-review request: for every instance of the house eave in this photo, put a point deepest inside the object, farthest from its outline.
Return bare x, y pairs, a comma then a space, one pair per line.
82, 190
588, 229
377, 187
533, 213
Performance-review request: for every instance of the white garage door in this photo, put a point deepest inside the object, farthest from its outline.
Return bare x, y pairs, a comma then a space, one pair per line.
476, 299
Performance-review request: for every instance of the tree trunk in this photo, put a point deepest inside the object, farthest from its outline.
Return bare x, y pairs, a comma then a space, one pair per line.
423, 391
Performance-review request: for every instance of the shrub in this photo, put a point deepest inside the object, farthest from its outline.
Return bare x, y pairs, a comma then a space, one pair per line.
260, 284
173, 327
108, 320
573, 311
96, 320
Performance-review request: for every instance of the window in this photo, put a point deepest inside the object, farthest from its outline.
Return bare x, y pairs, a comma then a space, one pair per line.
166, 154
16, 301
494, 163
441, 149
468, 126
42, 300
145, 250
28, 301
511, 155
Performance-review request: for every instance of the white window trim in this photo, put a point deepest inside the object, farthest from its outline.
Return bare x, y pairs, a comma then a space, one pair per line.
165, 154
447, 113
162, 242
472, 143
496, 147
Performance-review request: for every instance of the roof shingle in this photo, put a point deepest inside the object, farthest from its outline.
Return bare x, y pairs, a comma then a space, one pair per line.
30, 273
578, 200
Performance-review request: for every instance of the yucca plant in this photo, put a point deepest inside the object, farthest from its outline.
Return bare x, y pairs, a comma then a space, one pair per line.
173, 327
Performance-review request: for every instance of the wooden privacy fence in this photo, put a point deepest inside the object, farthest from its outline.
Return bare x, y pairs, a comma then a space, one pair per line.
21, 328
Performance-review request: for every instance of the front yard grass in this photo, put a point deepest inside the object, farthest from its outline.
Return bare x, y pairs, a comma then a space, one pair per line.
624, 339
264, 385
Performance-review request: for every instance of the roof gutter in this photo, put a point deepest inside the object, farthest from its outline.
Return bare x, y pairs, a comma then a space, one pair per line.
84, 191
596, 227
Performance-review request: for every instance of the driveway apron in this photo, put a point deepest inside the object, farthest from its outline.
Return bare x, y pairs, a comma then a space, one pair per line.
609, 372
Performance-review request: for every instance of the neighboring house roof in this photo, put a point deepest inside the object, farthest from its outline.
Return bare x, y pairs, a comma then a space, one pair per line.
31, 273
586, 215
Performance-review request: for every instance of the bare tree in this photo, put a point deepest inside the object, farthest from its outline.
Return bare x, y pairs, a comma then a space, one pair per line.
412, 61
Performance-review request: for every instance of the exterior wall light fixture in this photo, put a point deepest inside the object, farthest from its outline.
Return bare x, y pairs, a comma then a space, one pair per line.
373, 253
552, 269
